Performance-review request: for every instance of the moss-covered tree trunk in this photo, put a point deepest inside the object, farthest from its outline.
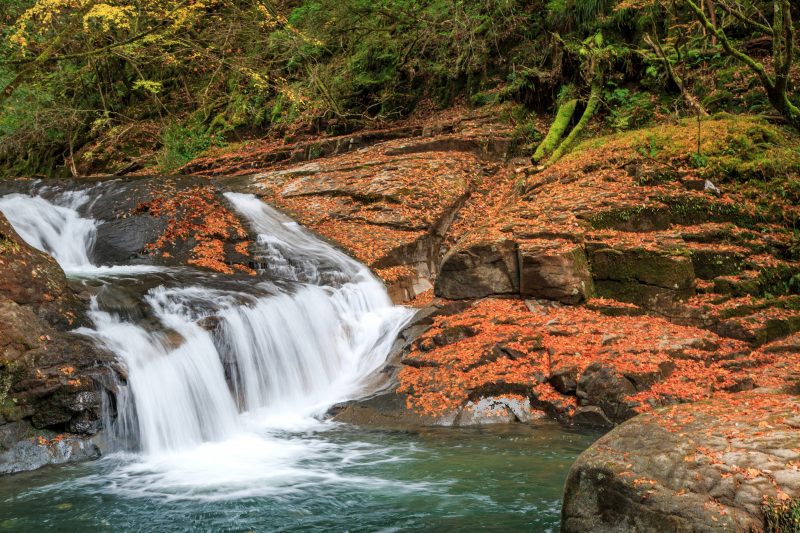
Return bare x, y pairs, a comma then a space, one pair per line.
591, 108
556, 131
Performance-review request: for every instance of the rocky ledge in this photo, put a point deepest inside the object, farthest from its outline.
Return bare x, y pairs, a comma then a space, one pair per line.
728, 464
51, 381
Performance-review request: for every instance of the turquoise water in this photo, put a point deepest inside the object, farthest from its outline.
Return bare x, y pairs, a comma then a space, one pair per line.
328, 477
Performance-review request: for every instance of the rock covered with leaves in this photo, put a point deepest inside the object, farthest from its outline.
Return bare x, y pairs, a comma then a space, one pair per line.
51, 382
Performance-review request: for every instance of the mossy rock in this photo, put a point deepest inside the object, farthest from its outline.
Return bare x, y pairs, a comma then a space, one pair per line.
639, 265
737, 286
645, 296
709, 263
638, 218
690, 210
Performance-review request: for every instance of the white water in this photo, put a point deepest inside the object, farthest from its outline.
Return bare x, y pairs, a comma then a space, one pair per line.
58, 229
288, 356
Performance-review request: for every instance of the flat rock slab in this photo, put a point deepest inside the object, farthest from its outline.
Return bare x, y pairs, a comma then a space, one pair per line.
707, 466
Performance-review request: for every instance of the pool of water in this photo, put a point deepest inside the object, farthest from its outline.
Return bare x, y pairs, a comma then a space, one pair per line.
324, 477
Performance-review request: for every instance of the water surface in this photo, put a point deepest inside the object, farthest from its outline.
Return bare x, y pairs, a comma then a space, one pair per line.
329, 477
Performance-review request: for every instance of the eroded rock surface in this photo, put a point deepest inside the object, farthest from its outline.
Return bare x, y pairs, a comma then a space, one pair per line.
697, 467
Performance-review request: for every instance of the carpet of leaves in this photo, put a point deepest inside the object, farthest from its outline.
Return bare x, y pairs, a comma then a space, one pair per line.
499, 345
196, 213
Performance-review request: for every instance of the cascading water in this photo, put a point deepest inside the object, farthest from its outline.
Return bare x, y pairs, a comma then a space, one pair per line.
53, 228
283, 354
224, 378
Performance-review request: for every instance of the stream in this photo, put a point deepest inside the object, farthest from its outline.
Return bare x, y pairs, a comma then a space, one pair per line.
220, 425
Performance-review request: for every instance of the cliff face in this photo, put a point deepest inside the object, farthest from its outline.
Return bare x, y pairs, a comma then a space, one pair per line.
51, 381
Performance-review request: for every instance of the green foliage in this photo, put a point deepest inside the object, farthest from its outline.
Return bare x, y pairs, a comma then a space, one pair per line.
627, 109
207, 71
182, 144
781, 517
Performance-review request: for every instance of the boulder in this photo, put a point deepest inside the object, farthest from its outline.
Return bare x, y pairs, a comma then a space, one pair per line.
480, 270
707, 466
51, 381
558, 273
601, 385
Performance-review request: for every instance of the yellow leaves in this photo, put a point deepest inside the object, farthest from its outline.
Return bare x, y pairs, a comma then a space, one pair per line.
152, 87
107, 17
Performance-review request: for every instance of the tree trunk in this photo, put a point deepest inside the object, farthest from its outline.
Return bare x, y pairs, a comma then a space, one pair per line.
591, 107
556, 131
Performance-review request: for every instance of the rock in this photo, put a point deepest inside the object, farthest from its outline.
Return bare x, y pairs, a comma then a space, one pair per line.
695, 467
50, 380
560, 274
710, 263
601, 385
657, 269
481, 270
31, 278
389, 411
591, 416
124, 239
28, 454
497, 410
565, 379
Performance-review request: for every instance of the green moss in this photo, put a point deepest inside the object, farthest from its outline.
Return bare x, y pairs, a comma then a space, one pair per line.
780, 280
7, 245
636, 218
781, 517
557, 130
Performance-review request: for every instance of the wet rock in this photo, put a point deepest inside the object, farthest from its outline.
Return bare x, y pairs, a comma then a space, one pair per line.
125, 239
50, 380
33, 279
28, 454
591, 416
389, 411
560, 274
603, 386
481, 270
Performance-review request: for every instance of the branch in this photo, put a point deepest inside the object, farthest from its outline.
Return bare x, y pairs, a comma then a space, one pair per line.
741, 17
754, 65
690, 99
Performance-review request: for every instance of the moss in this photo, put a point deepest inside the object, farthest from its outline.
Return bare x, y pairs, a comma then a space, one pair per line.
779, 280
635, 218
643, 266
691, 210
7, 245
781, 517
708, 264
557, 130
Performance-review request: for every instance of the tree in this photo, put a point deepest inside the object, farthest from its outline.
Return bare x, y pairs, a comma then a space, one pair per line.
780, 30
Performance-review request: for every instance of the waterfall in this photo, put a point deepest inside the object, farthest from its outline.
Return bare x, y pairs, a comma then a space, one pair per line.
211, 363
53, 228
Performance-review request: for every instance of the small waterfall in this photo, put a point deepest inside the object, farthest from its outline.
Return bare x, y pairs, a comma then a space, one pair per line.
53, 228
210, 362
